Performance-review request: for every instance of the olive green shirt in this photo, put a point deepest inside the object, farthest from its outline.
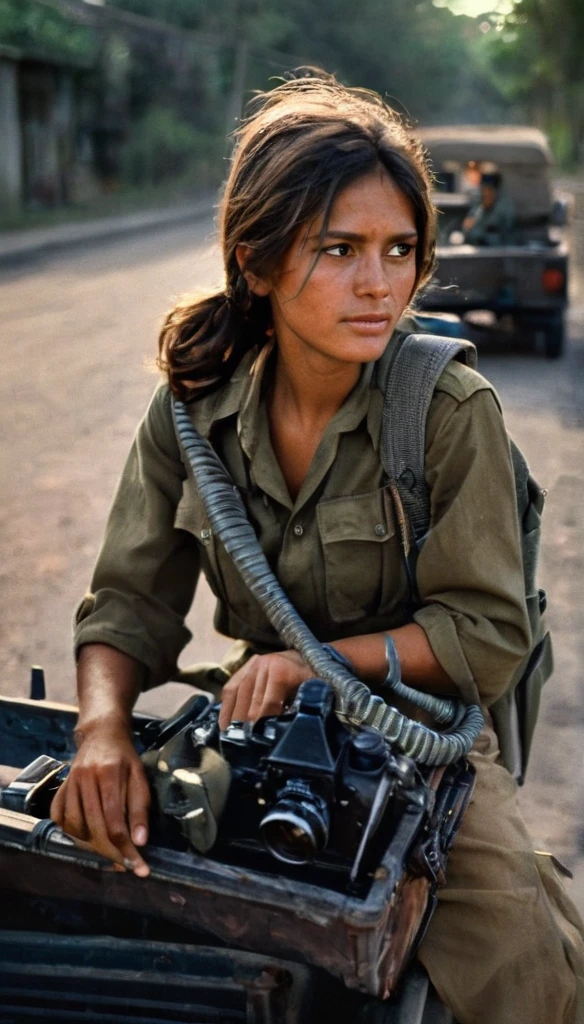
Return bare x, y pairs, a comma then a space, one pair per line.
336, 550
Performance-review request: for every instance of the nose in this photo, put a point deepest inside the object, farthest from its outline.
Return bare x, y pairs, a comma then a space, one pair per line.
371, 277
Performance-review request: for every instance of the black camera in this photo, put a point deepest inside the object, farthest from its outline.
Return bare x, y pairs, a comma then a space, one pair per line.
302, 787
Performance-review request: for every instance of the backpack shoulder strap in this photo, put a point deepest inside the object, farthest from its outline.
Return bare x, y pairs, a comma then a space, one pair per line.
408, 384
408, 377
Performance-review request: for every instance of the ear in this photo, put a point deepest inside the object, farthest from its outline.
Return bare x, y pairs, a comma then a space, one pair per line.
260, 286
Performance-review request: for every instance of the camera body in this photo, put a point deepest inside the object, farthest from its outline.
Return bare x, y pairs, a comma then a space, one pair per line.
326, 845
303, 788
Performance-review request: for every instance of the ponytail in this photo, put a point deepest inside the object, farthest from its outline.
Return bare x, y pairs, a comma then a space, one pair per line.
203, 340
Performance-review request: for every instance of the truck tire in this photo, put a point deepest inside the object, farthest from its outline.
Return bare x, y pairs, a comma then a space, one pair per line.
554, 337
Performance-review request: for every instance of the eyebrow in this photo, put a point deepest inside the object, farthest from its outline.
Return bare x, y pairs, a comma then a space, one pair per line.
351, 236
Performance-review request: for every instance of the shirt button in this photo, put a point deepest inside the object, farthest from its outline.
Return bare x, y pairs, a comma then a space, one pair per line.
205, 535
380, 530
298, 530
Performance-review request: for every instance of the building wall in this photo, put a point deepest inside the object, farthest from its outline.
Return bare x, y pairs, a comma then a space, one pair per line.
38, 88
10, 137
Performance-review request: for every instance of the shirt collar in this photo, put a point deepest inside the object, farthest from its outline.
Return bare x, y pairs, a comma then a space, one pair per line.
357, 407
242, 395
227, 400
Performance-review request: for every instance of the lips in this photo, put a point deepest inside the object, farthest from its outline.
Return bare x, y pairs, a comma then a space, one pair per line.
372, 324
368, 318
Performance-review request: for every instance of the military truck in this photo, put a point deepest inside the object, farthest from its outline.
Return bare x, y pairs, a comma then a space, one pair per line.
526, 276
229, 939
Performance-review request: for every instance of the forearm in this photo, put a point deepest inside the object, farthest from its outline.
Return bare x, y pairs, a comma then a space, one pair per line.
108, 683
419, 666
105, 797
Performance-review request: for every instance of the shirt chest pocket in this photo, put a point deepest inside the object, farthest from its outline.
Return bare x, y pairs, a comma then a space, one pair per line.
359, 544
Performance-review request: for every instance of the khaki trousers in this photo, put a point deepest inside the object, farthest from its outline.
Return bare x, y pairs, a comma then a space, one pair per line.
506, 945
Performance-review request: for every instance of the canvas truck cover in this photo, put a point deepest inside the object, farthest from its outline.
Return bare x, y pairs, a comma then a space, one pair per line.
520, 154
499, 144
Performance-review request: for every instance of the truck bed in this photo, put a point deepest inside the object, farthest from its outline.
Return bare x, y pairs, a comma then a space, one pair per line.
514, 279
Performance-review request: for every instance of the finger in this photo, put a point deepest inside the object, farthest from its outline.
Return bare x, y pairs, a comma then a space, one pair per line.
93, 813
56, 811
227, 705
138, 801
276, 696
231, 689
83, 844
73, 818
251, 690
99, 828
254, 711
58, 816
112, 793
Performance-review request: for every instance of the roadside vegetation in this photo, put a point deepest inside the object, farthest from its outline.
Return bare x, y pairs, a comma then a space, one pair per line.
160, 83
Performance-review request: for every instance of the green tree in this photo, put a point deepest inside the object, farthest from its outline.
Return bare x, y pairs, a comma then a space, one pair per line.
188, 14
44, 31
420, 55
538, 57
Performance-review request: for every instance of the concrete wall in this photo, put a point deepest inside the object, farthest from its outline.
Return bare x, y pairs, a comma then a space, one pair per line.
10, 139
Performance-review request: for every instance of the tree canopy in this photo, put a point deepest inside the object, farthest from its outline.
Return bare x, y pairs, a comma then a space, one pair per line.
537, 55
44, 31
521, 66
420, 55
524, 65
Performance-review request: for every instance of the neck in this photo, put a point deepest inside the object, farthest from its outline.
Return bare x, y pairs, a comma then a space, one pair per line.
314, 387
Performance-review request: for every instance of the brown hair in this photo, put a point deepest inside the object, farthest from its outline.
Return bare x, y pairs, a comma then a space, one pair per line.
301, 144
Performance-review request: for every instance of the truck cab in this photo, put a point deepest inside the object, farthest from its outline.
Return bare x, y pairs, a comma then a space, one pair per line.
523, 272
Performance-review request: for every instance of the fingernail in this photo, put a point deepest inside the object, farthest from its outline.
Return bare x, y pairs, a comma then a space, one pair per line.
138, 867
139, 835
119, 867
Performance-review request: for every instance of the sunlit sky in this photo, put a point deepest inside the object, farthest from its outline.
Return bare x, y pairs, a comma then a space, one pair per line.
474, 8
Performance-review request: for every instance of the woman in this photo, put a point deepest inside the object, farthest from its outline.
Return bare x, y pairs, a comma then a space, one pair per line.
328, 232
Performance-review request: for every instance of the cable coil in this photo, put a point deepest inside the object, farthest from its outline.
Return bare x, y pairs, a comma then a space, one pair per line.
354, 702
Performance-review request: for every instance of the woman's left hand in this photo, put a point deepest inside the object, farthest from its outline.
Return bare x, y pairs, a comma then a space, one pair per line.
263, 686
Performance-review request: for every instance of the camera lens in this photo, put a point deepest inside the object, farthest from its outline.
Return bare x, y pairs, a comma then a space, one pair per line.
297, 826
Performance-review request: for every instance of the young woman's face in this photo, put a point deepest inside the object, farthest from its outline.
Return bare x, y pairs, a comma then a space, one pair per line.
345, 308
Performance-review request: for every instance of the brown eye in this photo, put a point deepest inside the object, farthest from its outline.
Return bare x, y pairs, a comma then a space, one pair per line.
340, 249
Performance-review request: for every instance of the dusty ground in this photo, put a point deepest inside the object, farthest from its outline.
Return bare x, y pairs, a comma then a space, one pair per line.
77, 333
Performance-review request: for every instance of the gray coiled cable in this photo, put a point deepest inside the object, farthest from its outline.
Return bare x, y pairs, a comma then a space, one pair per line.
354, 702
446, 711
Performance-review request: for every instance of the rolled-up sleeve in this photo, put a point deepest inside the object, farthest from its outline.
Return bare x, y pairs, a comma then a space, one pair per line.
146, 572
470, 570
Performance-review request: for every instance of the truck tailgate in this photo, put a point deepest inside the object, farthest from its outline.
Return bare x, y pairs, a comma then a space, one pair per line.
497, 278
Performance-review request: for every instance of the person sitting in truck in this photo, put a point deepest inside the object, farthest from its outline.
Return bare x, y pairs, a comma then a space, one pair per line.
492, 221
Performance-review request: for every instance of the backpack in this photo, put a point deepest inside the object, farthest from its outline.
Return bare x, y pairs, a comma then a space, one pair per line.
410, 380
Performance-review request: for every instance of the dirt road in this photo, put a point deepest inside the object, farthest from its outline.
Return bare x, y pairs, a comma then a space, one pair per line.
78, 331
